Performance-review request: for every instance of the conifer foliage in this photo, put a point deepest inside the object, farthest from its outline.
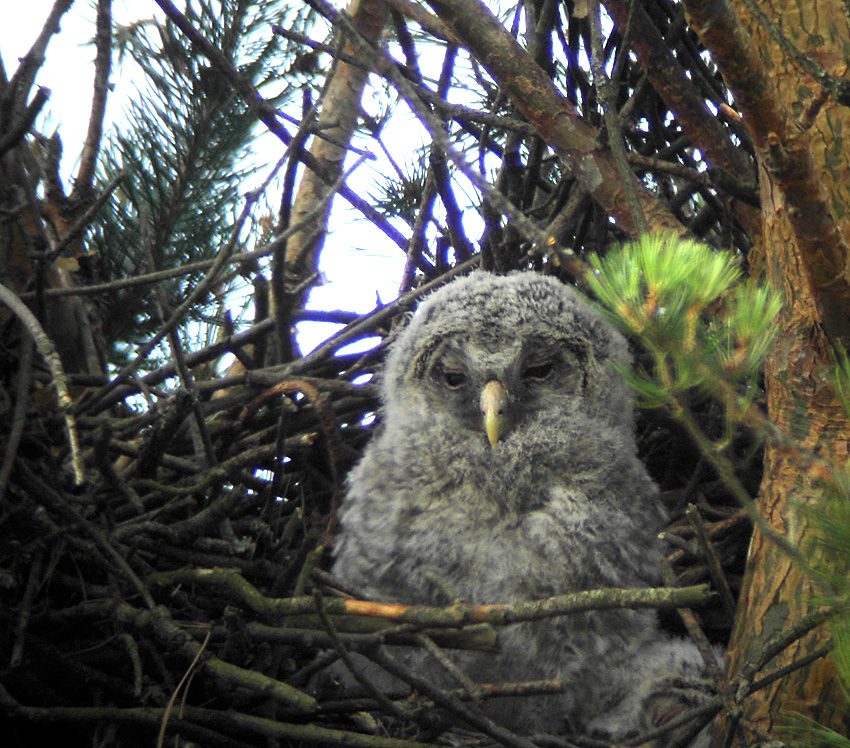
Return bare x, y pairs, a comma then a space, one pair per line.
171, 463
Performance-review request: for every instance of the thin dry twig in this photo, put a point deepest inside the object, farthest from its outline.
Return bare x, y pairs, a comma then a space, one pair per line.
186, 676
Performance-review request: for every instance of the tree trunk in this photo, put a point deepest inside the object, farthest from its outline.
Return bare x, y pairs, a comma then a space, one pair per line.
803, 205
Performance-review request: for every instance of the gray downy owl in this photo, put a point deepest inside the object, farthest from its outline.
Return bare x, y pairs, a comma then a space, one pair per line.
505, 470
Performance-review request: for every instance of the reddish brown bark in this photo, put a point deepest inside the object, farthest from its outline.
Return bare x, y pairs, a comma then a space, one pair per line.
785, 155
805, 230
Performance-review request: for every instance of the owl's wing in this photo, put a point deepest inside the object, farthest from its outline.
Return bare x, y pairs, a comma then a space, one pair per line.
662, 681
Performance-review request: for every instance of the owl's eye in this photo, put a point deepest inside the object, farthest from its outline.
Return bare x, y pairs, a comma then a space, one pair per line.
454, 378
538, 371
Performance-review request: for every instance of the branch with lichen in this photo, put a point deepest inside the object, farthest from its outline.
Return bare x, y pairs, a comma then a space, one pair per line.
459, 614
50, 355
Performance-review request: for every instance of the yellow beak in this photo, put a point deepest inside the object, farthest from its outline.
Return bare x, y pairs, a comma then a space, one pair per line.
494, 404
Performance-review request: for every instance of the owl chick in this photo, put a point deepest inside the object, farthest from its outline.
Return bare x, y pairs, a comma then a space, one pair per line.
505, 470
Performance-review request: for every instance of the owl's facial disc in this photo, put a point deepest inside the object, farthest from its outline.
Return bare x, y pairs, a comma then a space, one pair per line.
494, 410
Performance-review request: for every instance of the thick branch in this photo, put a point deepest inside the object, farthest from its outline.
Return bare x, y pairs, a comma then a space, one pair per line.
199, 723
338, 120
19, 87
678, 91
557, 121
48, 352
102, 66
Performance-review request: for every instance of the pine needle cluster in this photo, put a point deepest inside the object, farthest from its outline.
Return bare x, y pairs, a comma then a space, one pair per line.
702, 323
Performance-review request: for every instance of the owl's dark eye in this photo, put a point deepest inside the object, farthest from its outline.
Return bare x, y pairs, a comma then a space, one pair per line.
539, 371
454, 378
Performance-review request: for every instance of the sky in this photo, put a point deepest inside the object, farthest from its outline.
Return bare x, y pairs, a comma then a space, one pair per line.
358, 264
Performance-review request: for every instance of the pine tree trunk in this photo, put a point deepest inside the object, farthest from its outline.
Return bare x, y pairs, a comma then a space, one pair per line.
801, 401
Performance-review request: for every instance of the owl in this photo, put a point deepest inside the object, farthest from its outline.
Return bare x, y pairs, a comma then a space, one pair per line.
505, 470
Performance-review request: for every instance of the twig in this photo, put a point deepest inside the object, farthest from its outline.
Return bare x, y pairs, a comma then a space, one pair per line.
20, 128
330, 429
699, 638
790, 668
34, 579
455, 615
280, 267
22, 398
474, 718
224, 721
726, 471
608, 103
113, 560
268, 115
469, 688
715, 569
675, 86
110, 474
224, 256
373, 319
54, 364
173, 698
24, 77
76, 231
344, 655
698, 716
226, 675
133, 653
408, 91
328, 49
198, 293
177, 354
425, 19
417, 242
102, 68
780, 641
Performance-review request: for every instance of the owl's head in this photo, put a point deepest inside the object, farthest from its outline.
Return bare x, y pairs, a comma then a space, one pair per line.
488, 355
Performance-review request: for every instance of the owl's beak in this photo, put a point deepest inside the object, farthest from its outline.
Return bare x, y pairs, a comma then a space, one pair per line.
494, 406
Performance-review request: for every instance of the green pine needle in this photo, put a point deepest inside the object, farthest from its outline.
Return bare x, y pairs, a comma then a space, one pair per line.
690, 308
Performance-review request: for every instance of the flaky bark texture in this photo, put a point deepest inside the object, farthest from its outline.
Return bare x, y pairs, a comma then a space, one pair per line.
803, 185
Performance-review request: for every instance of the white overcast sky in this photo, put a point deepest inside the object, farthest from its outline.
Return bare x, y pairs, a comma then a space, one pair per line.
358, 263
